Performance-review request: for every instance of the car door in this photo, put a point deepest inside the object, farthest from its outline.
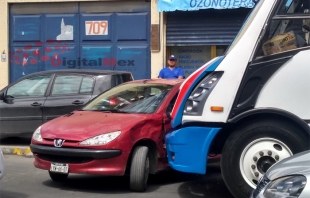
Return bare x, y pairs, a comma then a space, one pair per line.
21, 110
167, 118
166, 123
69, 92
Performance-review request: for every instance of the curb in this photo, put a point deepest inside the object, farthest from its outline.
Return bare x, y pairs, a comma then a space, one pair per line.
17, 150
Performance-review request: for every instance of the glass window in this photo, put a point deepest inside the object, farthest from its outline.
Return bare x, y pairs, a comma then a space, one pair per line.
191, 58
130, 98
87, 85
127, 77
286, 32
284, 35
171, 104
294, 7
30, 87
66, 85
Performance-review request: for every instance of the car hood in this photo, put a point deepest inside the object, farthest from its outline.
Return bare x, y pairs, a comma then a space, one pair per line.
81, 125
296, 164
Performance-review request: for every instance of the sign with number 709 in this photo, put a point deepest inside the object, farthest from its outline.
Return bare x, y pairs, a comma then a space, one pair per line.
96, 27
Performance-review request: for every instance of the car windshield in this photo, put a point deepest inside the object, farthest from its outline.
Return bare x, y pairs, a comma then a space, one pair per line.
130, 98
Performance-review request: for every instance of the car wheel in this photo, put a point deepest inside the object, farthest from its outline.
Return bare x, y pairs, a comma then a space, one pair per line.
58, 177
139, 169
252, 149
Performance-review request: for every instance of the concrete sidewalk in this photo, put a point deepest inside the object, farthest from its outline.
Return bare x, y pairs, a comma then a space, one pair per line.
16, 150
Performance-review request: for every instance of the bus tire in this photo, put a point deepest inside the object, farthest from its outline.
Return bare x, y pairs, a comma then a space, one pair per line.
252, 148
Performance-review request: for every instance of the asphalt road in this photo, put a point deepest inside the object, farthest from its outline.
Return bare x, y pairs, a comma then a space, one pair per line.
22, 180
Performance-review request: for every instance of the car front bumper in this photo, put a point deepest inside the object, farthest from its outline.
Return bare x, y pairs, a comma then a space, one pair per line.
83, 161
188, 148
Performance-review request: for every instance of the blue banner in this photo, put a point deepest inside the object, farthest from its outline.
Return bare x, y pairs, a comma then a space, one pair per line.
187, 5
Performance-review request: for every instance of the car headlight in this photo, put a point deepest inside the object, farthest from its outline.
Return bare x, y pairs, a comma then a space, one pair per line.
285, 187
195, 103
37, 135
101, 139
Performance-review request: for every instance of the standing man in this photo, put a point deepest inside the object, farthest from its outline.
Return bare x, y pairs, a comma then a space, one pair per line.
171, 71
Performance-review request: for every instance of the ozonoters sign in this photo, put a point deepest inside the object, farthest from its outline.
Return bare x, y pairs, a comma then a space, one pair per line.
172, 5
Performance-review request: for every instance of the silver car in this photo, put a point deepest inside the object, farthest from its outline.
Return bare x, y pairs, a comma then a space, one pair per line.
286, 179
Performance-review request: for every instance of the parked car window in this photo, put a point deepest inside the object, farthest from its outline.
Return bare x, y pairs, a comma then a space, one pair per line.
67, 84
127, 77
131, 98
31, 87
171, 104
87, 85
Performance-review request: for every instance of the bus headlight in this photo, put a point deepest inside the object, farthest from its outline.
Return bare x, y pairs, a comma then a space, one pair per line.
195, 102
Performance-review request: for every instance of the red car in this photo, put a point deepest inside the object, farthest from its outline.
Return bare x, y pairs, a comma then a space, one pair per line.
120, 131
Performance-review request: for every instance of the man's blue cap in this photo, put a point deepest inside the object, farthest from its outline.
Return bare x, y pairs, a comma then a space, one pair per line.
172, 57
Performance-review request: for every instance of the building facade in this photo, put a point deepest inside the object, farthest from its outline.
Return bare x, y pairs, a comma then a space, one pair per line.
129, 35
40, 35
198, 30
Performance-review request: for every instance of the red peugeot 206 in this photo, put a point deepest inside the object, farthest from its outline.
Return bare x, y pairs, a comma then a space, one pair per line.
120, 131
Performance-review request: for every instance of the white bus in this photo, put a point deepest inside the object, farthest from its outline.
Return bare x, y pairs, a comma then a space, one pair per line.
251, 105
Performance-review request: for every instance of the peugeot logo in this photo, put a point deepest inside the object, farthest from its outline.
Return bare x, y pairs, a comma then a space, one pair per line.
58, 142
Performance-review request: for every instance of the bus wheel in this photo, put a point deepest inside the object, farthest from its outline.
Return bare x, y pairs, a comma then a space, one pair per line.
253, 148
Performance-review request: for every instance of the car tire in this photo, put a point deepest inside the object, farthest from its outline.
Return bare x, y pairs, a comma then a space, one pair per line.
139, 169
58, 177
251, 149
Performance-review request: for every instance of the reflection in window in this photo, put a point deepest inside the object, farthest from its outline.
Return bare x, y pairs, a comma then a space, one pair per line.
294, 7
30, 87
65, 85
171, 104
87, 85
126, 77
131, 98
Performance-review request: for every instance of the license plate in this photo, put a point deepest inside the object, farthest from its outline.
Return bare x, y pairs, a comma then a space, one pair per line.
59, 168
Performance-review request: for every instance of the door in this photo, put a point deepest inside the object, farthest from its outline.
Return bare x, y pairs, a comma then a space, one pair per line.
21, 110
69, 92
80, 35
166, 129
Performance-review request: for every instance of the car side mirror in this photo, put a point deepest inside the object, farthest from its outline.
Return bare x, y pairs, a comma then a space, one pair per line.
2, 94
6, 98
